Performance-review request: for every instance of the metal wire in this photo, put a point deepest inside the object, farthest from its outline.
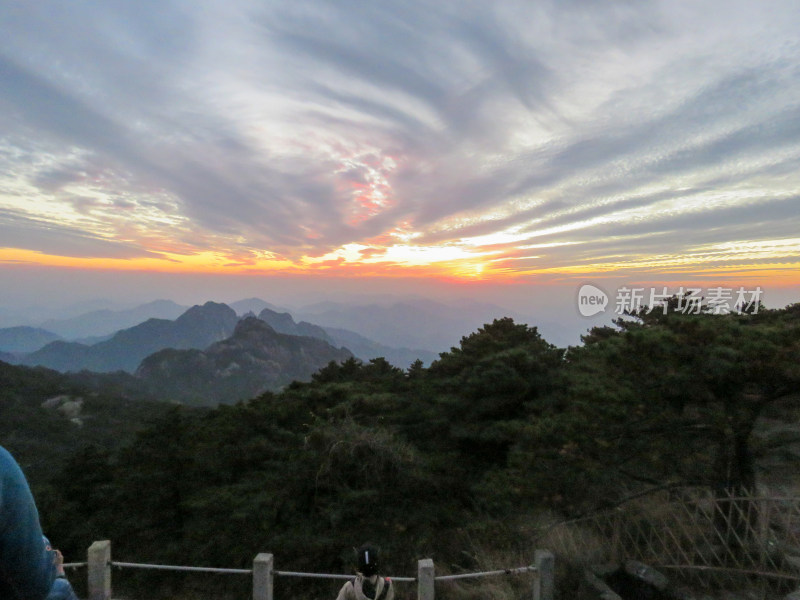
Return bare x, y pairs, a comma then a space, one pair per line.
127, 565
179, 568
486, 573
333, 576
311, 575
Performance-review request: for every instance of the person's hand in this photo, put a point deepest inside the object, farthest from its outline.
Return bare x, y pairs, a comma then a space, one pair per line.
58, 559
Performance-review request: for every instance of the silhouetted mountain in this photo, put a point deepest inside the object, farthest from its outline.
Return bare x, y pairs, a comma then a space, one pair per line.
253, 360
253, 305
24, 339
360, 346
423, 324
411, 324
284, 323
62, 356
366, 349
104, 322
196, 328
203, 325
94, 339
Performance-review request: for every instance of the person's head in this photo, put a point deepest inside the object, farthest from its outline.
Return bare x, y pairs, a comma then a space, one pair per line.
367, 559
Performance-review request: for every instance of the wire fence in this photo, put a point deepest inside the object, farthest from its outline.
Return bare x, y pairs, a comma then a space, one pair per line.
218, 570
705, 540
99, 574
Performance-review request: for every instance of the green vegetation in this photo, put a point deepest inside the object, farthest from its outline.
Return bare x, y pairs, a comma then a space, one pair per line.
430, 462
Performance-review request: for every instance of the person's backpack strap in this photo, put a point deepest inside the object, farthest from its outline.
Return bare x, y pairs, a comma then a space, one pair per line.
367, 589
387, 583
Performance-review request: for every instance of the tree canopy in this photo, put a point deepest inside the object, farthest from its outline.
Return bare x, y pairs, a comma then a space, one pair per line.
502, 425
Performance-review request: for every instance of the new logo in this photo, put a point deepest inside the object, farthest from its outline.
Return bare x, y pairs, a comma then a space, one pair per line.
591, 300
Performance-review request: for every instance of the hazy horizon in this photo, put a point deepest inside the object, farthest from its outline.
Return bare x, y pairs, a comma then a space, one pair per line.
30, 300
507, 151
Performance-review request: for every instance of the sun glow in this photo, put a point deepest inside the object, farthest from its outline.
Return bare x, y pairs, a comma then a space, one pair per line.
768, 262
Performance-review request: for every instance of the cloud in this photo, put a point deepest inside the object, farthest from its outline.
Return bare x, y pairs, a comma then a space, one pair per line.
300, 128
22, 232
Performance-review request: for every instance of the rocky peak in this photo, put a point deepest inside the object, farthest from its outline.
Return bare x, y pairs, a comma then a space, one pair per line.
208, 312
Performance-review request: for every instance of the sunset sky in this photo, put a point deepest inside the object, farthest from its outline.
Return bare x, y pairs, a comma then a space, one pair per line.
502, 144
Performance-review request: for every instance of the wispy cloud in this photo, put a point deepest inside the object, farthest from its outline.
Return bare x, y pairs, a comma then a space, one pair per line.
529, 136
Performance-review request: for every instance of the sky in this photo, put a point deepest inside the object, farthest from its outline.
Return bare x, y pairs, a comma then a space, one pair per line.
310, 148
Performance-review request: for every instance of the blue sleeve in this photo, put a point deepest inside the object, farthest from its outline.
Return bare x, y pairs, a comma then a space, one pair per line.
27, 569
61, 590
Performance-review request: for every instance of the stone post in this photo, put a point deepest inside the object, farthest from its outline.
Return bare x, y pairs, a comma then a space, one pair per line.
425, 579
544, 585
99, 570
262, 577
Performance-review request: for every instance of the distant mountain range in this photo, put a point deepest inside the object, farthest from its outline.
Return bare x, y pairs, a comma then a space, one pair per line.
366, 349
255, 359
425, 324
359, 345
253, 305
100, 323
282, 322
25, 339
198, 327
222, 353
401, 332
126, 348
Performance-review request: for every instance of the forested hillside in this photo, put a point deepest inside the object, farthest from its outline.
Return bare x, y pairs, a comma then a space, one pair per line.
439, 461
45, 415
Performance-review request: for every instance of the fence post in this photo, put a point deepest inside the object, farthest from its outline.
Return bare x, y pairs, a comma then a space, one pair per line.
262, 577
544, 584
99, 570
425, 578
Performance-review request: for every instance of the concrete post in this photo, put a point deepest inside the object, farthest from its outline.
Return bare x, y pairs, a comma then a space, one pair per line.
544, 586
425, 579
99, 570
262, 577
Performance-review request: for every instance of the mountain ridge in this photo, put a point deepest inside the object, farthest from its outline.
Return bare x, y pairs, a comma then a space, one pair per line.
198, 327
255, 359
401, 331
24, 339
422, 323
98, 323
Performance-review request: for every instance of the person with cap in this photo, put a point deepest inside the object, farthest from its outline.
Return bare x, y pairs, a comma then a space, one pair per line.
27, 569
367, 585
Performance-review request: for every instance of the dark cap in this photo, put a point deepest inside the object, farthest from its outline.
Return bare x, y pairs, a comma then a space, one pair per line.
367, 559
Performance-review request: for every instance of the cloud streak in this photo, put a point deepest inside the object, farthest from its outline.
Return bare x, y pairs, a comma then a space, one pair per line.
286, 134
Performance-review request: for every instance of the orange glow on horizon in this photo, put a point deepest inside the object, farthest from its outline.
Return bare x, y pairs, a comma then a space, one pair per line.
446, 264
